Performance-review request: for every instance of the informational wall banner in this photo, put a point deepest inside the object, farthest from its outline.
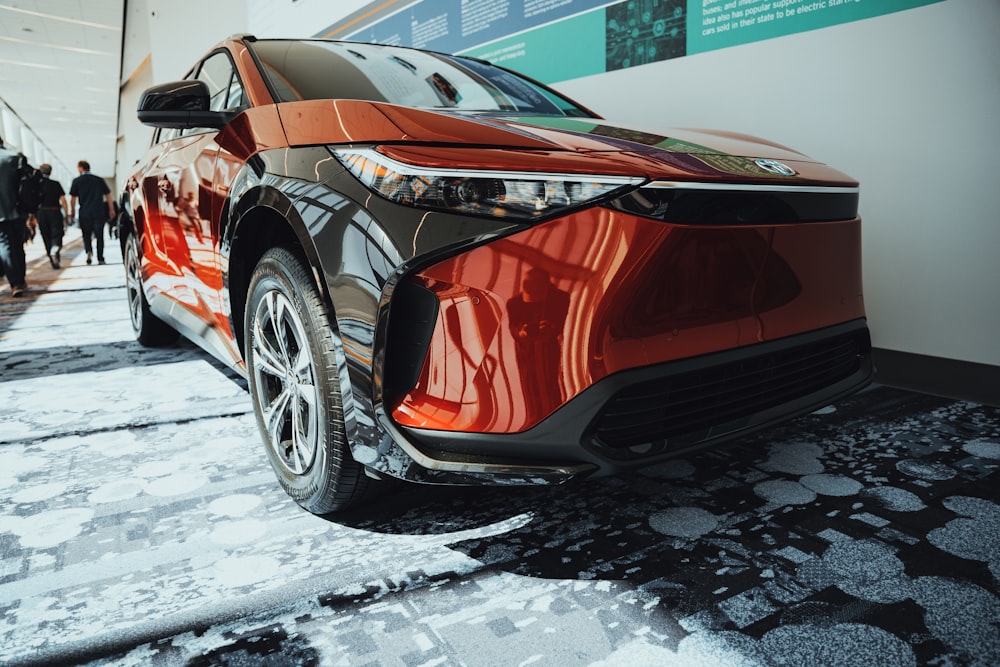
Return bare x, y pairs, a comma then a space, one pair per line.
456, 25
716, 24
555, 40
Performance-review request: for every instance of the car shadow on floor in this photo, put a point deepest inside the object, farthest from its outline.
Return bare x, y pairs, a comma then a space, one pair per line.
840, 514
69, 359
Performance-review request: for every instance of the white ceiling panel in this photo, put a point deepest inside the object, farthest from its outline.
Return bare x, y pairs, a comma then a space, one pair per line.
59, 74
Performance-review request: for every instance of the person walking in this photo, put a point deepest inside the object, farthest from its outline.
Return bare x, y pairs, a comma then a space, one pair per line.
12, 221
51, 211
96, 206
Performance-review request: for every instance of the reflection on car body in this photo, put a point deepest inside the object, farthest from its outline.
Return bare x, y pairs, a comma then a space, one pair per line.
435, 269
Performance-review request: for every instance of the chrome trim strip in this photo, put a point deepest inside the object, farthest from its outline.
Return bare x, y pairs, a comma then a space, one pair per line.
752, 187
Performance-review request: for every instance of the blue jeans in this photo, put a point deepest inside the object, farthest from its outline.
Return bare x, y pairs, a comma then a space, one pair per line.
12, 234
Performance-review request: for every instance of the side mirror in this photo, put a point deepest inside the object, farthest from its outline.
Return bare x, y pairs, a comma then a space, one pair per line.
180, 105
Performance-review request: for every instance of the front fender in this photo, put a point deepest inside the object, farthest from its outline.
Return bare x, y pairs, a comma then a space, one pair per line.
359, 247
266, 209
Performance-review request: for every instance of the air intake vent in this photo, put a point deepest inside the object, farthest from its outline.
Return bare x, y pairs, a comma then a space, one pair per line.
412, 317
658, 415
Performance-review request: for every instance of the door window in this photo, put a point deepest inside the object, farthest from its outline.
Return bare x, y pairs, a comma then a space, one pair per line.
224, 86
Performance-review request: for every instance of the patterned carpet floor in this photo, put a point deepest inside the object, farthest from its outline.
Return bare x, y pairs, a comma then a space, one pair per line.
141, 525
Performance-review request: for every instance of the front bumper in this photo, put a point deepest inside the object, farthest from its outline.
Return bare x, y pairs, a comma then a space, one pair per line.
638, 417
540, 349
525, 323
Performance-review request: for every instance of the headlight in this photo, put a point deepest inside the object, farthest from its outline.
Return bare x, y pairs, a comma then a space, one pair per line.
488, 193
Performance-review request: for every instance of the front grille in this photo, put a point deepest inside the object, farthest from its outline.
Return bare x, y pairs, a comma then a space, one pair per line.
677, 410
756, 205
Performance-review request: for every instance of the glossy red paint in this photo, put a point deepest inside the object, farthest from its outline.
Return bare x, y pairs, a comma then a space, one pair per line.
528, 322
179, 191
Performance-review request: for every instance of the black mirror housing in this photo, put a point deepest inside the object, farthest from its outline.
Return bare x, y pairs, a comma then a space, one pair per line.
180, 105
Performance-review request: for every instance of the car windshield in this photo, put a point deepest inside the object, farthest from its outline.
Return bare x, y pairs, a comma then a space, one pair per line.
317, 70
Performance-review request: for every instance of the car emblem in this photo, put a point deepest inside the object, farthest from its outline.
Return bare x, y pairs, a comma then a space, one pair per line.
774, 167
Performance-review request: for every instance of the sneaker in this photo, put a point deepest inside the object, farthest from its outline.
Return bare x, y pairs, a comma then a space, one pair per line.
56, 252
53, 262
18, 290
101, 261
90, 258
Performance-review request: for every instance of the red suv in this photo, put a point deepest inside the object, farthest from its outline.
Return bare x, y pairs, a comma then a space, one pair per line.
432, 268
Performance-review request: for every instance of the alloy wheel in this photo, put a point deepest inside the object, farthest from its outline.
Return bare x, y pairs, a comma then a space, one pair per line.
285, 382
133, 284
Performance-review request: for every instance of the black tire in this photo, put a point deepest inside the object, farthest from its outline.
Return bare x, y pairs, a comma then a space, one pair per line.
149, 330
295, 387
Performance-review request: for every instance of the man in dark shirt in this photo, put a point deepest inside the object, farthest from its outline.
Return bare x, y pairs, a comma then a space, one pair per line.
50, 214
11, 220
96, 206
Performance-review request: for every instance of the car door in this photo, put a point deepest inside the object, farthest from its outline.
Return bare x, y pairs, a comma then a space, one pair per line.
203, 188
183, 198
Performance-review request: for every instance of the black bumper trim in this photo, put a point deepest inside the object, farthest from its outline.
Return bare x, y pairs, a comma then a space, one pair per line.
566, 438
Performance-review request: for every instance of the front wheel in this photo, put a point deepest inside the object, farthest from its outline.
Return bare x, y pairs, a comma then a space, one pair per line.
149, 330
295, 386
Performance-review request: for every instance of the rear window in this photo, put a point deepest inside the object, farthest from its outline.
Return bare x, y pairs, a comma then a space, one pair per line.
316, 70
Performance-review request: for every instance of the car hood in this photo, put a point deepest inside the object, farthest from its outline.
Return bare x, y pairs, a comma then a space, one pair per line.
588, 134
545, 143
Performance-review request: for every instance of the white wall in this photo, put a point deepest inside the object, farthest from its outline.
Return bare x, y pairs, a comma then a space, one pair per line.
297, 18
163, 39
135, 36
906, 103
180, 35
137, 75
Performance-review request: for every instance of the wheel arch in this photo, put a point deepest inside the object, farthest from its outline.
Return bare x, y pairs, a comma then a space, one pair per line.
125, 224
129, 218
264, 218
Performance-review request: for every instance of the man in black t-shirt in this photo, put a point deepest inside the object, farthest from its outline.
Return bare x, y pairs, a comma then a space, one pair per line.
50, 214
96, 207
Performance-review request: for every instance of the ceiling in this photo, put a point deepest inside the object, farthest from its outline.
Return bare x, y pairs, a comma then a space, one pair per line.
60, 63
